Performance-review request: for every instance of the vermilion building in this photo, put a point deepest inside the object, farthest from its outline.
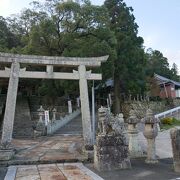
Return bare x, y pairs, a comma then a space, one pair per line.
168, 87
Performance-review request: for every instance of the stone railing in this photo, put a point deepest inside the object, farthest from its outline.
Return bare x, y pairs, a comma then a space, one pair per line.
53, 126
175, 112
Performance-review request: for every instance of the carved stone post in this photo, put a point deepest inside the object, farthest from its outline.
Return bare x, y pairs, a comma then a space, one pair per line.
85, 110
150, 133
54, 114
134, 147
41, 123
175, 140
9, 112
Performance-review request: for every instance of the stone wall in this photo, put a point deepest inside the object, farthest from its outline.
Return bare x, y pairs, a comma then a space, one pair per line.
140, 107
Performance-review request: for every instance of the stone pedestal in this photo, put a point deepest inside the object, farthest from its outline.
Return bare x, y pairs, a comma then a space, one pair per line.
111, 153
134, 147
150, 133
6, 154
175, 140
111, 149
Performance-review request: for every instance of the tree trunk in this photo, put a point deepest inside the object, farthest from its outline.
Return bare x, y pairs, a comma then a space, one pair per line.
117, 103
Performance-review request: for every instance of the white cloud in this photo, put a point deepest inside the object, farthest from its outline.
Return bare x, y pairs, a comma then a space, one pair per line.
151, 41
4, 4
173, 56
148, 41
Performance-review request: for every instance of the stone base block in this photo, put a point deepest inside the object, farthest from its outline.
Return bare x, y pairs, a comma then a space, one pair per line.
89, 155
6, 154
177, 167
111, 153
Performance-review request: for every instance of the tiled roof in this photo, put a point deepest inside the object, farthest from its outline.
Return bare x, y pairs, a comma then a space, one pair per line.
162, 80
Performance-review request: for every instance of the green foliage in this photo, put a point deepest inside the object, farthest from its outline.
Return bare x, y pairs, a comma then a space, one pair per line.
129, 61
168, 123
7, 39
157, 63
78, 28
167, 120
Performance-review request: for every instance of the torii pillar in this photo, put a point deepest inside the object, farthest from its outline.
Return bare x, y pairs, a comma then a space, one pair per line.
6, 150
85, 110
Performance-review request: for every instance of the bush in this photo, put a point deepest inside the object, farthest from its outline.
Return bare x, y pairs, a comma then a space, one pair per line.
167, 120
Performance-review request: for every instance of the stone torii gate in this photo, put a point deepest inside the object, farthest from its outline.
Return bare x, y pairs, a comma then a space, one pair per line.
15, 72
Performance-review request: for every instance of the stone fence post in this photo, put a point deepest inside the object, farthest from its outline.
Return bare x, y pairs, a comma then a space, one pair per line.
150, 133
78, 102
134, 147
175, 140
69, 107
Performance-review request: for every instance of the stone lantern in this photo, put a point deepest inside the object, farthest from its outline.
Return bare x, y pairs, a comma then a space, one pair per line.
134, 147
54, 111
40, 127
102, 123
150, 133
41, 114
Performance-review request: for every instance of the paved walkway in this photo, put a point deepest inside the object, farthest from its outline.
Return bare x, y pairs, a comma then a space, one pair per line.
57, 148
67, 171
142, 171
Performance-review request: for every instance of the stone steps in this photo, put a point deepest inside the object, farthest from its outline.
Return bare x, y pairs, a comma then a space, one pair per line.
22, 123
73, 127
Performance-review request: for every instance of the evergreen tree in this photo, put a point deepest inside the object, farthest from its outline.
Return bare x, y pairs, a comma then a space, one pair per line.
128, 73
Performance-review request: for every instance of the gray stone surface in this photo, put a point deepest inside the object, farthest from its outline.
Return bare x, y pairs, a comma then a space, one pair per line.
6, 154
11, 173
52, 60
111, 153
85, 110
175, 139
10, 105
63, 123
150, 133
134, 147
3, 171
141, 171
22, 120
111, 148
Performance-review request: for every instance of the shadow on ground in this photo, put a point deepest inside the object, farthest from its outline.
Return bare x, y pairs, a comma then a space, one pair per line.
3, 171
142, 171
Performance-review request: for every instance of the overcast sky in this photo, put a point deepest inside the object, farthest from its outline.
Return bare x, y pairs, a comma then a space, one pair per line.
158, 20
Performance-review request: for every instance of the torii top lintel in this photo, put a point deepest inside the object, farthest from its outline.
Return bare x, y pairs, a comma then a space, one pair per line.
52, 60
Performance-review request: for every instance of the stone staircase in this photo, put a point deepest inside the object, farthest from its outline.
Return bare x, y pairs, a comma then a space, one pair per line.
73, 127
22, 123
